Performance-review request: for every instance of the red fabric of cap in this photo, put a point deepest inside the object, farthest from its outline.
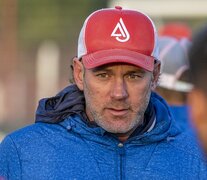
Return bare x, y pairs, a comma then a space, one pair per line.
177, 30
117, 35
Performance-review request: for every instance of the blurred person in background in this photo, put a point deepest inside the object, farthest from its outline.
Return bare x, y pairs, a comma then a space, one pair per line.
174, 83
109, 124
198, 96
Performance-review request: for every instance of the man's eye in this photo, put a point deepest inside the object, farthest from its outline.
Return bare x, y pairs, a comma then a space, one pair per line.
134, 76
102, 75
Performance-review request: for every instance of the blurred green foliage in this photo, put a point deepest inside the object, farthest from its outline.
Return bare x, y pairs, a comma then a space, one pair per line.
58, 20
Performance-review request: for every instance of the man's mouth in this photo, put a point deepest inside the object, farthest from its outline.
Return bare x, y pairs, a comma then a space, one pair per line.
118, 112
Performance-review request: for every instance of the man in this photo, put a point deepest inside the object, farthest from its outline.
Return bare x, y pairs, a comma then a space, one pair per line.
109, 125
198, 96
174, 83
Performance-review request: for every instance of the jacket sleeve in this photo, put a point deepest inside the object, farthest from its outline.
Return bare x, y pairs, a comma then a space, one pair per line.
9, 160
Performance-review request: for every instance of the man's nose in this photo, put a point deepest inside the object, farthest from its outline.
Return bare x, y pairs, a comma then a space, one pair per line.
119, 89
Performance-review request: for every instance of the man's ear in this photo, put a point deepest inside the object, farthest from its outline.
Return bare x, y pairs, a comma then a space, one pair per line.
156, 74
78, 71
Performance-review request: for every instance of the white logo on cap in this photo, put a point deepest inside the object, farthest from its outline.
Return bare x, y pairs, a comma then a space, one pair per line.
122, 35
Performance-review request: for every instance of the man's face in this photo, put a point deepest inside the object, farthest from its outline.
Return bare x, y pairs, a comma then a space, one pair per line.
198, 102
117, 96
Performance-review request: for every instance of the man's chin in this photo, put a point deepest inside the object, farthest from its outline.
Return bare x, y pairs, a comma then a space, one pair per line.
117, 129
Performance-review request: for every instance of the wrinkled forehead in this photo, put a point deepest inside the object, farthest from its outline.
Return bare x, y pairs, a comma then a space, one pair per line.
125, 66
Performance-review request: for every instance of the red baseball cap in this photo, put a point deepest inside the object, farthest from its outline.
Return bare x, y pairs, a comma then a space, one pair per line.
118, 35
177, 30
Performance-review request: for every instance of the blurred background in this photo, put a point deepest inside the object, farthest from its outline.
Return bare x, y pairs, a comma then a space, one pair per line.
38, 39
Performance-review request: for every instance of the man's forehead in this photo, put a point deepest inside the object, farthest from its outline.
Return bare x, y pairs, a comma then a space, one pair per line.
118, 64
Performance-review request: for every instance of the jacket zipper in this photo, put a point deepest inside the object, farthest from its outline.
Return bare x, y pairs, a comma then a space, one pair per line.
121, 154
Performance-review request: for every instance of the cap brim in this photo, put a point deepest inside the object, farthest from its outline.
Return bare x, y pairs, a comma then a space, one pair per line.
103, 57
169, 81
179, 86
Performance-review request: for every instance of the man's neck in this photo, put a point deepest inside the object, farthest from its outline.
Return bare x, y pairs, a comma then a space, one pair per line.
124, 136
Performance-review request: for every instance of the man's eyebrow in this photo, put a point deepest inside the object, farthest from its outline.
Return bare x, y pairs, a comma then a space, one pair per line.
100, 68
136, 71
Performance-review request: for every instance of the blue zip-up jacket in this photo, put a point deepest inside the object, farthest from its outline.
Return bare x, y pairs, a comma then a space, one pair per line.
62, 145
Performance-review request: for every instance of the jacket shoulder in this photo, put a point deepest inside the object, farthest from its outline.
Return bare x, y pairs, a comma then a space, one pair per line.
32, 132
187, 143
